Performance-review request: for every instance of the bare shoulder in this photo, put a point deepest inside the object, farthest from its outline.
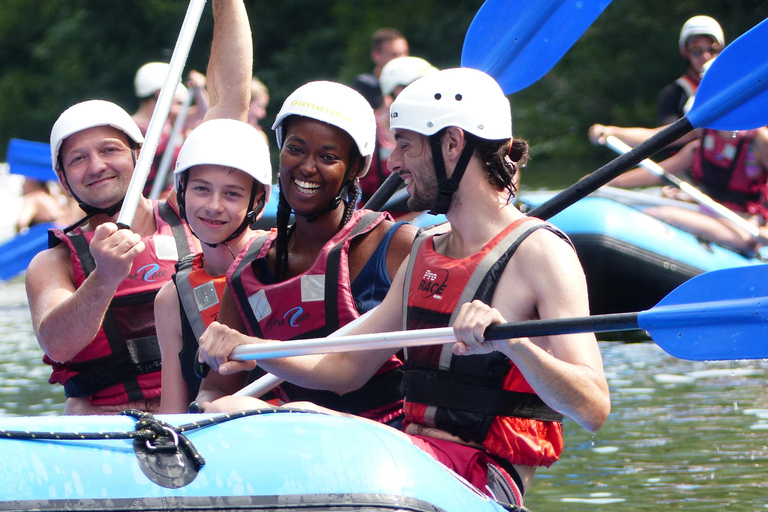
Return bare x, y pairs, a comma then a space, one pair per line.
167, 300
50, 268
544, 279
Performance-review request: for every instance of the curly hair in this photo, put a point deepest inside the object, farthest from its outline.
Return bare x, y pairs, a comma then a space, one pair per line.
502, 160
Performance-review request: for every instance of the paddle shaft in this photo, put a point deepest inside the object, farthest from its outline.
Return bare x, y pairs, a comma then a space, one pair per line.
384, 193
268, 382
700, 197
170, 149
160, 114
441, 335
612, 169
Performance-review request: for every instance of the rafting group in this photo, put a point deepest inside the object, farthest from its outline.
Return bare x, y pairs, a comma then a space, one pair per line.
150, 317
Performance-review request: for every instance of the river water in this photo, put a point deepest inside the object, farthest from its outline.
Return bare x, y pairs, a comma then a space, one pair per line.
681, 435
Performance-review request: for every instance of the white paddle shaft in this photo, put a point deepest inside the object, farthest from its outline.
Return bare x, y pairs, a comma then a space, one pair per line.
160, 114
269, 381
621, 148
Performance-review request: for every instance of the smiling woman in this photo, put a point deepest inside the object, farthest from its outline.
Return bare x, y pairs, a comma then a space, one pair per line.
333, 263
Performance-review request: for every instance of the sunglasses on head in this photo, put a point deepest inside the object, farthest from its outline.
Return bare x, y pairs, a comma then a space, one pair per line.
698, 52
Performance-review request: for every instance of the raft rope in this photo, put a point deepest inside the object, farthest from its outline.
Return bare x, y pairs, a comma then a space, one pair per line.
159, 435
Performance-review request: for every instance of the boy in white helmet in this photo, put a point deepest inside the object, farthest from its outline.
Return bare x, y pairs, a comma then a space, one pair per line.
701, 39
222, 176
494, 417
91, 297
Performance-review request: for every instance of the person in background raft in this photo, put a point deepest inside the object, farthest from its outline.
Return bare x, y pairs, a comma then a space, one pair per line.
701, 39
92, 295
496, 416
395, 76
147, 83
222, 179
333, 263
386, 44
38, 205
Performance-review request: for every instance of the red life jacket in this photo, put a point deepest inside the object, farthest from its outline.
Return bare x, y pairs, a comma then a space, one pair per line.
480, 398
720, 169
200, 298
315, 304
122, 363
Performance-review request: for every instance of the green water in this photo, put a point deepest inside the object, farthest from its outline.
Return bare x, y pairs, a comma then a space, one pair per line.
681, 435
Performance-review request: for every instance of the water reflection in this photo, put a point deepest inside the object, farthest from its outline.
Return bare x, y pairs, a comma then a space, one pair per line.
681, 435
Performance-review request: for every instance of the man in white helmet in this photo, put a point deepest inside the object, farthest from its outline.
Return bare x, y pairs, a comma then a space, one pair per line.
91, 296
701, 39
497, 416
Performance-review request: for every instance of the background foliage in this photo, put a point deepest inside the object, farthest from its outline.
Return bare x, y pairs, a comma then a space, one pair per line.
56, 53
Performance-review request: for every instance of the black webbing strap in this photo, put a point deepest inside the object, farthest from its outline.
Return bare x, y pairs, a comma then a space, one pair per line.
442, 389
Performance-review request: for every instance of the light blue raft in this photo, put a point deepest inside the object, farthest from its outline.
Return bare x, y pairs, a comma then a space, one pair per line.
267, 461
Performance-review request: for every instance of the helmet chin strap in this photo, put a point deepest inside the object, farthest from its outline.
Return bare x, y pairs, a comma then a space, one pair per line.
448, 186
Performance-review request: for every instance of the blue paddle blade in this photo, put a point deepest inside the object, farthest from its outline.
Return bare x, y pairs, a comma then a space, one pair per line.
733, 94
31, 159
16, 253
507, 36
720, 315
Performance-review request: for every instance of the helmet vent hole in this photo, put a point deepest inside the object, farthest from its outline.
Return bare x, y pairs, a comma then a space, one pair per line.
458, 97
438, 96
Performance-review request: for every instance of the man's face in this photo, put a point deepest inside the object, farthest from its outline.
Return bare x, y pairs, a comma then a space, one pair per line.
98, 163
412, 158
389, 50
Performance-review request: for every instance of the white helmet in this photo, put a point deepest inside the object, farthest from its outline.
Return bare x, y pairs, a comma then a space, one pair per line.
463, 97
90, 114
150, 78
228, 143
701, 26
337, 105
402, 71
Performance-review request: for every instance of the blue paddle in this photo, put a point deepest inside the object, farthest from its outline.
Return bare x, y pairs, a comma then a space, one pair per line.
517, 42
720, 315
733, 95
31, 159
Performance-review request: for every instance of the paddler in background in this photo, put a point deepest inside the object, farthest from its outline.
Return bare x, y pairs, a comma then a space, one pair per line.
91, 296
731, 167
492, 264
315, 275
222, 179
701, 39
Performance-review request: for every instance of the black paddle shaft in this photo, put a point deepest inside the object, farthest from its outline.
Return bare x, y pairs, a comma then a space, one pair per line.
553, 326
384, 193
612, 169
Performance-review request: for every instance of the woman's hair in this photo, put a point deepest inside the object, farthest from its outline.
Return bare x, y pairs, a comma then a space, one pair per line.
502, 160
284, 210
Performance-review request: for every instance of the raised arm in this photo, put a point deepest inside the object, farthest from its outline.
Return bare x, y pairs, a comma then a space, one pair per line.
230, 66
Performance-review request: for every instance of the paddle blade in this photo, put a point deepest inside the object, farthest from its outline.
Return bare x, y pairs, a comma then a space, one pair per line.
519, 41
720, 315
733, 94
31, 159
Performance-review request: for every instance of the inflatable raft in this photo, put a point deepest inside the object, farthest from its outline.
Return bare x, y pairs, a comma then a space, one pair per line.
261, 460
